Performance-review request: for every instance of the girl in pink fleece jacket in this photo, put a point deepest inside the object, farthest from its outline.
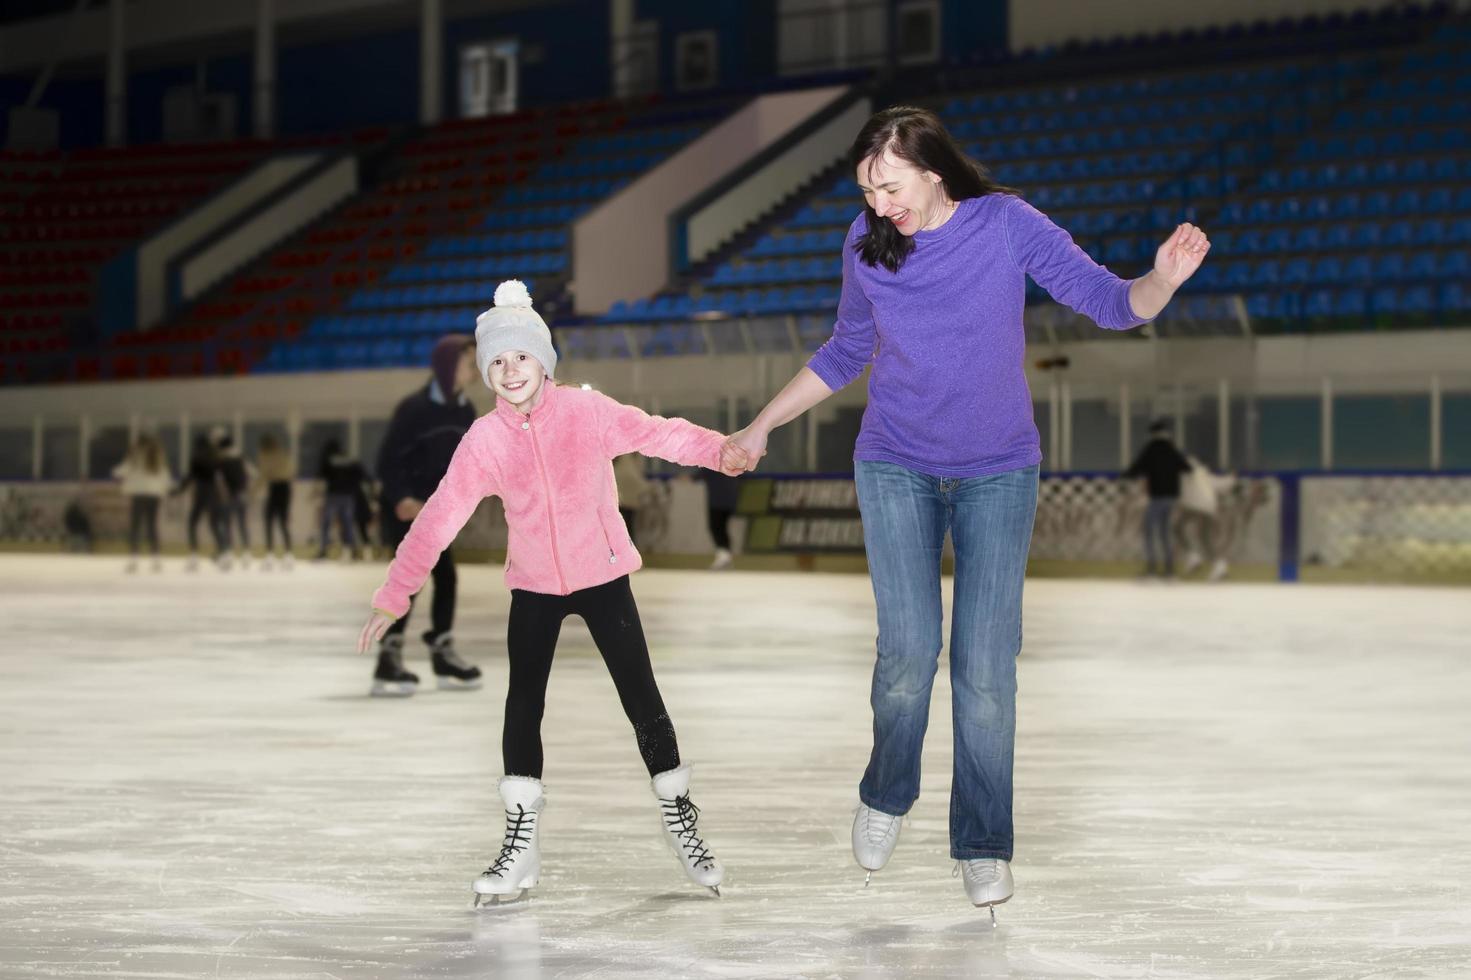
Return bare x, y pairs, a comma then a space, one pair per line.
547, 452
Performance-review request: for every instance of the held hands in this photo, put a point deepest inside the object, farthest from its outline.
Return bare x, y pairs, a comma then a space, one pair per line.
1180, 255
378, 624
733, 459
742, 451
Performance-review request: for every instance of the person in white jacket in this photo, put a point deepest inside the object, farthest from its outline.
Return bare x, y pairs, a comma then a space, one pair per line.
146, 479
1199, 511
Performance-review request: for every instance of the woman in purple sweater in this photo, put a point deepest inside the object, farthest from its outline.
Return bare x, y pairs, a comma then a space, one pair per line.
934, 277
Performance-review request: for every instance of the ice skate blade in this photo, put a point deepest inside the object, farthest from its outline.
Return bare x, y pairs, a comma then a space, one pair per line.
512, 897
991, 907
867, 879
392, 689
455, 684
490, 901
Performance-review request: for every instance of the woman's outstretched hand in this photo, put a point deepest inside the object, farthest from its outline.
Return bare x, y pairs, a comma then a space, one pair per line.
1181, 254
378, 624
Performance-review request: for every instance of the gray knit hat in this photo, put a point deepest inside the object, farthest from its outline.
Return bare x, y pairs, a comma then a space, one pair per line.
512, 325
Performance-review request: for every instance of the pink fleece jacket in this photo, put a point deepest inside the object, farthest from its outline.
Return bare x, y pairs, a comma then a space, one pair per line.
553, 471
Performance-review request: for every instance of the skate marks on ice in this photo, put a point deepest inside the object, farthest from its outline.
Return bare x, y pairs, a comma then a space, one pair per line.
1237, 782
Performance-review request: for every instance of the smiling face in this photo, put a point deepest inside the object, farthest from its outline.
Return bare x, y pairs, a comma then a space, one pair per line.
517, 377
913, 199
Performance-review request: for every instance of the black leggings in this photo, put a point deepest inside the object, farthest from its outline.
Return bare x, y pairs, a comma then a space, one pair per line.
235, 519
208, 505
278, 511
720, 527
442, 609
143, 520
612, 619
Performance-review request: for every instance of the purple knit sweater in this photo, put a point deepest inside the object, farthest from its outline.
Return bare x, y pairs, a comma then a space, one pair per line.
948, 395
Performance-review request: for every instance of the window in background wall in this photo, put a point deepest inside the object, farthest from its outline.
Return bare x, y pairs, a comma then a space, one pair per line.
1289, 431
919, 32
1095, 433
829, 35
489, 79
59, 452
696, 61
836, 437
1042, 415
1381, 432
786, 449
168, 436
1143, 411
314, 439
1202, 419
1455, 439
370, 439
16, 447
108, 448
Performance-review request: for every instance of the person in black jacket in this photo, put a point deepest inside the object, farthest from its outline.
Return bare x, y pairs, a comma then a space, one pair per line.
342, 478
204, 477
236, 475
422, 437
1161, 465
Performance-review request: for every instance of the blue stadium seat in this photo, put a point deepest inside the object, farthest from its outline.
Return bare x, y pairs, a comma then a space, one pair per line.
1430, 232
1454, 265
1385, 300
1389, 267
1365, 235
1307, 239
1350, 303
1319, 303
1296, 272
1418, 300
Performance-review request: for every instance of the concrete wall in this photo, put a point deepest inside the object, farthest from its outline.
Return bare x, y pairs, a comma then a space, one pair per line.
156, 253
621, 249
1036, 23
745, 203
264, 230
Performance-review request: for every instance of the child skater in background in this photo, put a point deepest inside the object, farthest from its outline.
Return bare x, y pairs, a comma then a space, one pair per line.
547, 452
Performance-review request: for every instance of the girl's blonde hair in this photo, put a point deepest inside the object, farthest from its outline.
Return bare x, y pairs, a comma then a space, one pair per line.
148, 453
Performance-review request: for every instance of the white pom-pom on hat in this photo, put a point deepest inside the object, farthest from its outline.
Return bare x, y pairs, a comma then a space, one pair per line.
512, 292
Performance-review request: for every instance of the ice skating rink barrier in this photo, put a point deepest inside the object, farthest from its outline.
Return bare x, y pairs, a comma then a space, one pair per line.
1403, 526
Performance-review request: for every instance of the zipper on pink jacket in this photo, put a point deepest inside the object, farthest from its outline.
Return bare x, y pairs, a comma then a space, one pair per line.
551, 517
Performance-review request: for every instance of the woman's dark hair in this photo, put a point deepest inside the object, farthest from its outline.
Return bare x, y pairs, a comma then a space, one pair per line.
918, 137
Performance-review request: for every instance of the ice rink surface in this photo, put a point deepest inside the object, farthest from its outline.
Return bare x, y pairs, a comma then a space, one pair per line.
1226, 782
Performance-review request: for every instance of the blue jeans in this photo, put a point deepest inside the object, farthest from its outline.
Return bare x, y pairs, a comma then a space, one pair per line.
342, 508
1157, 529
905, 517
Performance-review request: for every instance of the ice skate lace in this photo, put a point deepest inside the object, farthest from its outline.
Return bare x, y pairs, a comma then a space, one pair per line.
884, 823
519, 825
978, 872
680, 816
